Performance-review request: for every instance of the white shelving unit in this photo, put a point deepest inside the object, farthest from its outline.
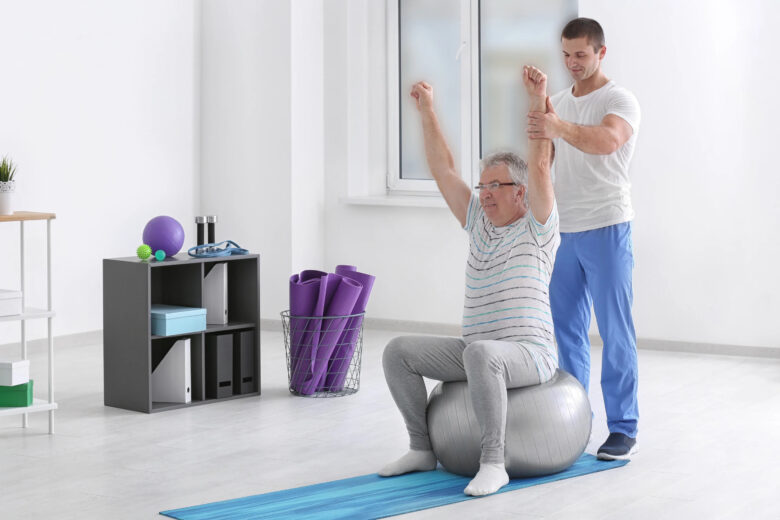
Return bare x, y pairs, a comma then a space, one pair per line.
29, 313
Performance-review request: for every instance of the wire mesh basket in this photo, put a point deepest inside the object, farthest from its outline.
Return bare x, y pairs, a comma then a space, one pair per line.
323, 354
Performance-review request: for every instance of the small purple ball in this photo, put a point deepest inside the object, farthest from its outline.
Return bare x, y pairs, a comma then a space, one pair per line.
164, 233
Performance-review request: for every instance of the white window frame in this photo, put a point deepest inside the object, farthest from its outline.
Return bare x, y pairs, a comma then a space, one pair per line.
468, 55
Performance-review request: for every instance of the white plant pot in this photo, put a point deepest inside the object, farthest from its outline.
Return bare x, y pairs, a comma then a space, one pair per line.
6, 194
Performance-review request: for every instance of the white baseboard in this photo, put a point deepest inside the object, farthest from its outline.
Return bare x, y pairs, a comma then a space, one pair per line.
414, 327
449, 329
63, 341
273, 325
417, 327
705, 348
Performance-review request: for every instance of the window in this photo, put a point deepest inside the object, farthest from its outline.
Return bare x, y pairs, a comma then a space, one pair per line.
472, 52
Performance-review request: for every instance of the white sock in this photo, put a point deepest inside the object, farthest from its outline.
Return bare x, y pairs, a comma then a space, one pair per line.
414, 460
490, 478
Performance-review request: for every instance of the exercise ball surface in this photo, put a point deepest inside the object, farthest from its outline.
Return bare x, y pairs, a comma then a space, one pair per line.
164, 233
547, 427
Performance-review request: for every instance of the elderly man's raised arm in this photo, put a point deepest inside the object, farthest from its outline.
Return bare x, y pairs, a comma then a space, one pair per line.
541, 196
455, 192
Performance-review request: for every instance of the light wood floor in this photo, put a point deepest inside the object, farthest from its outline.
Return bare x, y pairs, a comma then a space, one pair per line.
709, 433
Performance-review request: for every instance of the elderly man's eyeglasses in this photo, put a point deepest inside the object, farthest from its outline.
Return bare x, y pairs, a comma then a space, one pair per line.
493, 186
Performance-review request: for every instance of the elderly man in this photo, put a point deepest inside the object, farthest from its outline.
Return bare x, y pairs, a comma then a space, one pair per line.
507, 330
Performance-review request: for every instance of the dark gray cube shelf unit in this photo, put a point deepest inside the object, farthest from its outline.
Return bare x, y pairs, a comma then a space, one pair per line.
131, 352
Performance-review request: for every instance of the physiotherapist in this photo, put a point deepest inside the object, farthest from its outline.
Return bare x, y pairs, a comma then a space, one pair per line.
594, 126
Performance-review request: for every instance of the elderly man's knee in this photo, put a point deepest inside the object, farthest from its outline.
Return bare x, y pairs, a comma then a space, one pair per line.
481, 354
397, 350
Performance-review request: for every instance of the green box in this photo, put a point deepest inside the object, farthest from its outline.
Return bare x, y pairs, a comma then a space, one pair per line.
19, 395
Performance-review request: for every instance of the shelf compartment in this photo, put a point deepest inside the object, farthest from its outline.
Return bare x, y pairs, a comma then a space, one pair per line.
177, 284
161, 346
243, 288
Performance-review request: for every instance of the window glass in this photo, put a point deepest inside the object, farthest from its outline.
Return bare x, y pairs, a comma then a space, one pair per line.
429, 42
512, 34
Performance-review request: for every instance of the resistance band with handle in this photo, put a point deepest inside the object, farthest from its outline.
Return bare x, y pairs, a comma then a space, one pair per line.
217, 249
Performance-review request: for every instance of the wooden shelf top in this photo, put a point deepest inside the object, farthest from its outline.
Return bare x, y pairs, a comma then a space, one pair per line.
26, 215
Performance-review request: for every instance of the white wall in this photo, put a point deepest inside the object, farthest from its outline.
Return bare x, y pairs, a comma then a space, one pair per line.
704, 182
262, 130
307, 173
97, 108
246, 134
705, 179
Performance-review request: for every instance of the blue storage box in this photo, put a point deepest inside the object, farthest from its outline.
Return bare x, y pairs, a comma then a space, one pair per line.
168, 320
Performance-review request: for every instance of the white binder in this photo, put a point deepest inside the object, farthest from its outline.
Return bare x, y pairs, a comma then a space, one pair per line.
215, 295
171, 380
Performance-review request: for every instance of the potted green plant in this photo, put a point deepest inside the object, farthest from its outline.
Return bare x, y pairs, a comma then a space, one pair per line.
7, 185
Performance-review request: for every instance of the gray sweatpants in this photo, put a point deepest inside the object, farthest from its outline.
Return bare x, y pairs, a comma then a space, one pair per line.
490, 367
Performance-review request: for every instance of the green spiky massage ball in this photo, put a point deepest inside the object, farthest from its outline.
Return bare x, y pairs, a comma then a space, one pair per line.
143, 251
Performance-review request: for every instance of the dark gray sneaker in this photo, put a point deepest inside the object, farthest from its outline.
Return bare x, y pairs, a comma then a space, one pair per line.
617, 447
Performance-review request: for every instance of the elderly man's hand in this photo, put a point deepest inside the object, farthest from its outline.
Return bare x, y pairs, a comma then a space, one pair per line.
535, 81
423, 95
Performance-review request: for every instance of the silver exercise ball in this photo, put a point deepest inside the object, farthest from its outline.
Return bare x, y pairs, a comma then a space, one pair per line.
547, 427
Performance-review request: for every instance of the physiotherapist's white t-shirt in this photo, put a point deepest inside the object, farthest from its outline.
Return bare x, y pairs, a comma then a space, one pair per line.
594, 191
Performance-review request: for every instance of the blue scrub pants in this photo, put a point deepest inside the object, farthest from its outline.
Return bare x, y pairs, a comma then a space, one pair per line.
594, 268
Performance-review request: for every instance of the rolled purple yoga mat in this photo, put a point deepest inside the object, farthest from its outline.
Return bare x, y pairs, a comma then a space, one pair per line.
303, 296
338, 367
341, 268
341, 295
304, 332
366, 280
312, 274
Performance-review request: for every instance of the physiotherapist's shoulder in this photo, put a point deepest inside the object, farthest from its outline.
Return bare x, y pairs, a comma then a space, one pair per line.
624, 104
622, 94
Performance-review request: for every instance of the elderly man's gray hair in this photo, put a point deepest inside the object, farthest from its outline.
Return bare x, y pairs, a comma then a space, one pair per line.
518, 169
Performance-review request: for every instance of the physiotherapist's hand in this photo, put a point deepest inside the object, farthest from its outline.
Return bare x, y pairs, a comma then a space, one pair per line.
544, 125
535, 81
423, 95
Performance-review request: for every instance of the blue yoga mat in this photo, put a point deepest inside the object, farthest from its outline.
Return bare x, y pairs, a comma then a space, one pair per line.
369, 496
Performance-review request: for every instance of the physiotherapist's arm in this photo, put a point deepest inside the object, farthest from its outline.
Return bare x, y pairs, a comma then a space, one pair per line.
452, 187
541, 196
603, 139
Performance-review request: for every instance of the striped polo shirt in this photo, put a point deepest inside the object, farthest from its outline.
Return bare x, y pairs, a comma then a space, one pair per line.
507, 283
